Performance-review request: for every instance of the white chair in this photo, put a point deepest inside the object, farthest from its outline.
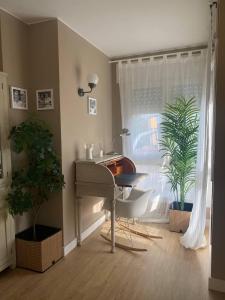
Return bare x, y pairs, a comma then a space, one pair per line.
132, 207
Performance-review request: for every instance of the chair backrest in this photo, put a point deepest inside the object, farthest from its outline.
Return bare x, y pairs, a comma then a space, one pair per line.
134, 206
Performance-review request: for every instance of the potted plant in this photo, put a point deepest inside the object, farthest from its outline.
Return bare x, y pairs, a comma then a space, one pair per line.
179, 143
38, 247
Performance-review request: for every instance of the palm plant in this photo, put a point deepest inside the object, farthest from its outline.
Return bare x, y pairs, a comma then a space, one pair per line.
179, 142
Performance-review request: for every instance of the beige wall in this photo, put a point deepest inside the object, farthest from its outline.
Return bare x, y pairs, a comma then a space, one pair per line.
77, 58
44, 74
218, 221
14, 53
29, 55
50, 55
15, 50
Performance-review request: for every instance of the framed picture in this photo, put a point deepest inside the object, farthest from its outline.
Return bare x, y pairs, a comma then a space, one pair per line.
92, 106
45, 99
19, 98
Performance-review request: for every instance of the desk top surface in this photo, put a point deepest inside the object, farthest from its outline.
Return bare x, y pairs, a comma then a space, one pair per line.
98, 160
129, 180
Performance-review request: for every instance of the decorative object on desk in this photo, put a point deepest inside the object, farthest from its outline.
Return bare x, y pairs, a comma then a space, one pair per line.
89, 148
92, 80
19, 98
101, 152
45, 100
37, 248
92, 106
179, 143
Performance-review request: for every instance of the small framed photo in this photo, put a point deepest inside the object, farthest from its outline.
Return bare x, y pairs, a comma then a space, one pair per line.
92, 106
19, 98
45, 99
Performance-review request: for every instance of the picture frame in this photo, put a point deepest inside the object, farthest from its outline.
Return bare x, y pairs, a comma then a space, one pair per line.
44, 99
92, 106
19, 98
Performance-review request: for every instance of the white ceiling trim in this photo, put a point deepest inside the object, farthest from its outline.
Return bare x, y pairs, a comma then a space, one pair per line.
40, 21
13, 15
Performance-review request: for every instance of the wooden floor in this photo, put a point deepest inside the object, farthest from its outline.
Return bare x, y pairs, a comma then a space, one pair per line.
167, 271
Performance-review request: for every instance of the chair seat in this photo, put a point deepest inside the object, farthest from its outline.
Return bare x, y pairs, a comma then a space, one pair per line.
132, 207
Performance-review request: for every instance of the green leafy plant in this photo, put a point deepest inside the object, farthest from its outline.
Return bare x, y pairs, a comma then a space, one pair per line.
41, 175
179, 143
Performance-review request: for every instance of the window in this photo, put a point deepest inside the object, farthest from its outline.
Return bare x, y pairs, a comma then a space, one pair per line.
146, 134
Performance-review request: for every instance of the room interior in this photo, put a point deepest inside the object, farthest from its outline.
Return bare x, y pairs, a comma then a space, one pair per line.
97, 84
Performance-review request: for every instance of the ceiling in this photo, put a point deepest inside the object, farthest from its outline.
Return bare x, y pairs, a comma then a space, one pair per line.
123, 27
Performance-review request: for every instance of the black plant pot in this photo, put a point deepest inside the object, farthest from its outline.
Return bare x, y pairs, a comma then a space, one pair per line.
176, 206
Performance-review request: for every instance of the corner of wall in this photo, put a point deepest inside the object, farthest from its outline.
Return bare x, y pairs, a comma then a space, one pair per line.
1, 59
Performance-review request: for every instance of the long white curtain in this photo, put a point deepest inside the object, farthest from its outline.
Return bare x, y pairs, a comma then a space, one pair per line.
145, 88
194, 237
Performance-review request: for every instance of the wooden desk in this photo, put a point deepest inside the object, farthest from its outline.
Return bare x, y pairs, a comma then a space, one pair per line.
104, 177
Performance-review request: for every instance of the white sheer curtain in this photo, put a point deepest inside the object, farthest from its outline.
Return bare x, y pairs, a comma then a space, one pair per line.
194, 237
145, 87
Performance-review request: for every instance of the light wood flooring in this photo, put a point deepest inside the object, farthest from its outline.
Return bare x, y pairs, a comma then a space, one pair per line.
166, 272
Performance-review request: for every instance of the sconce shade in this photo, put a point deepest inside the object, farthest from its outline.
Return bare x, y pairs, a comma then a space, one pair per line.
92, 82
93, 79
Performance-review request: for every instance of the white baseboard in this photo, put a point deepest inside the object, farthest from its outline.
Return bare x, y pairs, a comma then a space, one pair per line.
69, 247
216, 284
92, 228
73, 244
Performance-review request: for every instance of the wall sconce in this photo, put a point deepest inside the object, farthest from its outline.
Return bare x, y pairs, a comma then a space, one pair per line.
125, 132
92, 82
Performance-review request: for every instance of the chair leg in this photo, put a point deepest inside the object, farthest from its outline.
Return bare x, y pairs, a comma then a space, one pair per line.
124, 246
125, 231
147, 236
109, 230
130, 233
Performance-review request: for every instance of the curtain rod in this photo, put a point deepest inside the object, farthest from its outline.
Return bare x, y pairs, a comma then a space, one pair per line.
157, 53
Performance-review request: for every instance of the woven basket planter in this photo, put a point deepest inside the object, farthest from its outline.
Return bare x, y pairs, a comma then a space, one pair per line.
41, 254
179, 219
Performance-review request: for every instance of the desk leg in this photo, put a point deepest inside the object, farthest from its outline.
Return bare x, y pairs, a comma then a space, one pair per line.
113, 225
78, 222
